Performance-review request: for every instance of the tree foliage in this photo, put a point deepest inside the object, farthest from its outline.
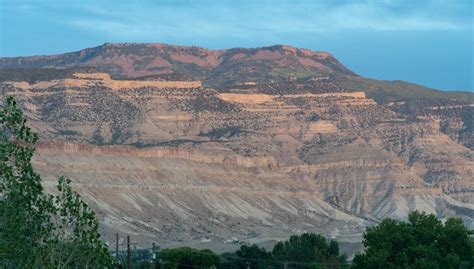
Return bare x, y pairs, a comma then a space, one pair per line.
185, 257
303, 251
252, 256
422, 242
309, 248
37, 229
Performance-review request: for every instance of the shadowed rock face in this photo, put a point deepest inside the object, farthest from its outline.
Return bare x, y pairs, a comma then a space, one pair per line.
176, 163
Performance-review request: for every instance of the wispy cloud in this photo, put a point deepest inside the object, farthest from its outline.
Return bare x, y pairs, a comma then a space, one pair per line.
193, 18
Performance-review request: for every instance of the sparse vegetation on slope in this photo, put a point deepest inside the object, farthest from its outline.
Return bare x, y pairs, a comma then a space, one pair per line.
33, 75
392, 91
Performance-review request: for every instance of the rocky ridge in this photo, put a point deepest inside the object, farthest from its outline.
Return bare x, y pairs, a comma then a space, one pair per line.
131, 60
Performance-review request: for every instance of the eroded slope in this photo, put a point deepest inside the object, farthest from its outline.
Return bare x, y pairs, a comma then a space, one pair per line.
174, 162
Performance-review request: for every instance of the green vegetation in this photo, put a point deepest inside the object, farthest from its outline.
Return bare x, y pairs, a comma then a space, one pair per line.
304, 251
33, 75
300, 251
251, 256
309, 248
185, 257
225, 132
40, 230
422, 242
384, 91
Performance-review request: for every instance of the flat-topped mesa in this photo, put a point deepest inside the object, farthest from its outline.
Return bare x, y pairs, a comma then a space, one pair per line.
88, 79
131, 60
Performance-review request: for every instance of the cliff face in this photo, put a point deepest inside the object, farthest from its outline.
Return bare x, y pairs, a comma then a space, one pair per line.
171, 161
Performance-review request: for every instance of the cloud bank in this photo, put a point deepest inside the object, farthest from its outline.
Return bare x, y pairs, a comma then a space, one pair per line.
205, 18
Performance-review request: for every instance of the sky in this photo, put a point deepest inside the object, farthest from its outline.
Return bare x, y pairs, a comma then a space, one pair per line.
428, 42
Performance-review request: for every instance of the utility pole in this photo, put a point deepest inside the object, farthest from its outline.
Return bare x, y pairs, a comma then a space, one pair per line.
285, 265
116, 251
153, 255
129, 253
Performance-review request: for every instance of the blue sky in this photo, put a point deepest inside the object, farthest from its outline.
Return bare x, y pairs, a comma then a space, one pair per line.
429, 42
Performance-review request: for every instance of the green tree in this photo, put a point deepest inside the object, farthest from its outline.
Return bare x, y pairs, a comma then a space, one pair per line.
333, 248
186, 257
309, 250
299, 251
39, 230
230, 260
253, 256
422, 242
